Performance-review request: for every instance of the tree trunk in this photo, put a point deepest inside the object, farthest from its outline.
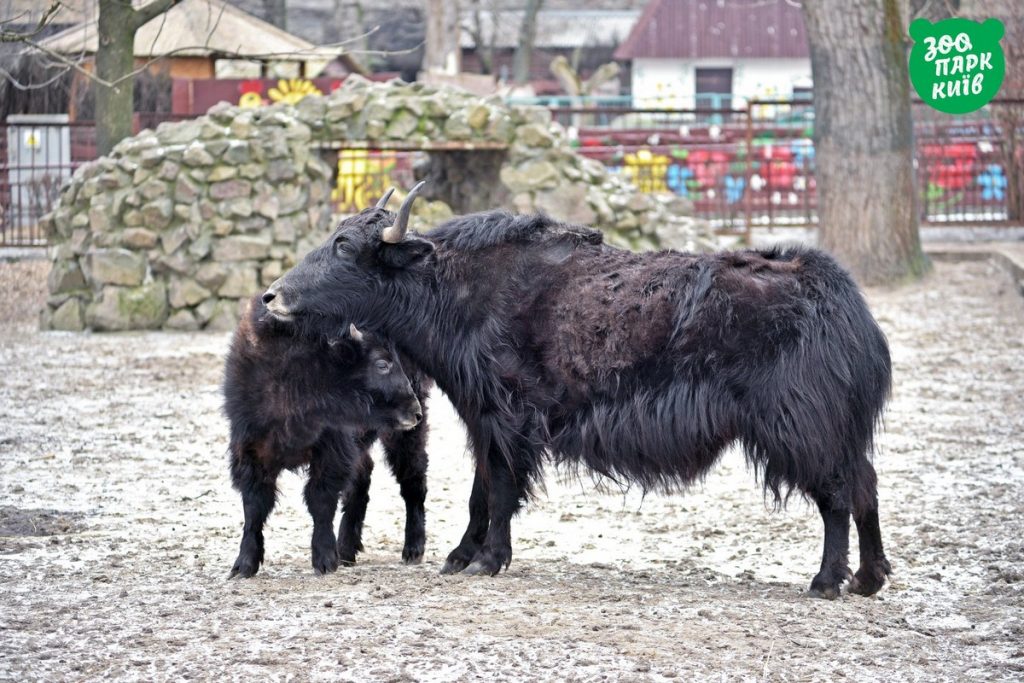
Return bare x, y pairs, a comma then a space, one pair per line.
443, 53
114, 59
863, 139
527, 34
117, 24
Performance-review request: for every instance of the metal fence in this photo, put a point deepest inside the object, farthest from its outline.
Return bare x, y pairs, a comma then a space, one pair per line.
739, 168
756, 166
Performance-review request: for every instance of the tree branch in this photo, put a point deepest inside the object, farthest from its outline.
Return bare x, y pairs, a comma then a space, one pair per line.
144, 14
17, 37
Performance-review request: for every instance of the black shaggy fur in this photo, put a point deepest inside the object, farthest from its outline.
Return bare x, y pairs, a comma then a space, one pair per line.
320, 402
641, 367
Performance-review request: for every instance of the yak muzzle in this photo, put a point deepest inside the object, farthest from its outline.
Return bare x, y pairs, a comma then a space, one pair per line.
273, 299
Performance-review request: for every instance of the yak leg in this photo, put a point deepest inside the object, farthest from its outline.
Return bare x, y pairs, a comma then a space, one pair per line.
870, 577
468, 547
350, 529
259, 493
834, 568
509, 487
327, 476
407, 457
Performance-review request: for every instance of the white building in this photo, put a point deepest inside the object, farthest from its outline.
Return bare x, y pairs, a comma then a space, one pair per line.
717, 53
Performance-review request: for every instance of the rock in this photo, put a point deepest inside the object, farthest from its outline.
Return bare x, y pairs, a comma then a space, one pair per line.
115, 266
240, 248
240, 282
533, 135
200, 246
211, 275
457, 126
65, 276
533, 175
196, 155
99, 219
270, 271
174, 239
157, 214
267, 205
152, 157
69, 316
281, 169
180, 132
219, 173
236, 153
237, 207
182, 321
567, 203
186, 190
128, 308
169, 170
477, 116
403, 124
223, 317
230, 189
186, 292
139, 238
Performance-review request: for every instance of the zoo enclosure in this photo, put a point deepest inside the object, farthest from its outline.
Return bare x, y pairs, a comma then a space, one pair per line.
739, 168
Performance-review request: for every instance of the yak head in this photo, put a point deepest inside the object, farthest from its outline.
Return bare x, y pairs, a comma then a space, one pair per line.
353, 275
393, 402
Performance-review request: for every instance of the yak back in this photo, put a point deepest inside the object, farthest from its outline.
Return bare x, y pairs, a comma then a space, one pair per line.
585, 317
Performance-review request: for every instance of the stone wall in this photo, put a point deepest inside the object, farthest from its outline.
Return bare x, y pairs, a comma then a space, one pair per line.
180, 225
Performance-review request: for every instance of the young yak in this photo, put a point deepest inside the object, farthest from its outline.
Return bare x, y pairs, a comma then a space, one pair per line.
297, 400
641, 367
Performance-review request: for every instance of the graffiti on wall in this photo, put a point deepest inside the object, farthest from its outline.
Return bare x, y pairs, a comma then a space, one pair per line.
257, 92
956, 178
363, 177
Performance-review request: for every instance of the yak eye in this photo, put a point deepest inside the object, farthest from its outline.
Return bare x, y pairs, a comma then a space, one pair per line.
339, 242
383, 367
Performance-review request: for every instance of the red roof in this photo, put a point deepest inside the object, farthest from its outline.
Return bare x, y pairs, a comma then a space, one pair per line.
694, 29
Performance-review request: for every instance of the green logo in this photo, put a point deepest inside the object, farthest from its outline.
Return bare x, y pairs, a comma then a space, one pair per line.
957, 65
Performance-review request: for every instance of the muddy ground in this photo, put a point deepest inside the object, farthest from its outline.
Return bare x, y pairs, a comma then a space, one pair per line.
118, 527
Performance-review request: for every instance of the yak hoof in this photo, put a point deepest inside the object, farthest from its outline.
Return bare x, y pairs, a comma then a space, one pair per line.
869, 579
458, 560
824, 592
453, 566
481, 568
325, 562
244, 568
413, 557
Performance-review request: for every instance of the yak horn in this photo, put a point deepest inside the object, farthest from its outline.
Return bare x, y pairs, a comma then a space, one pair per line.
396, 232
384, 200
354, 333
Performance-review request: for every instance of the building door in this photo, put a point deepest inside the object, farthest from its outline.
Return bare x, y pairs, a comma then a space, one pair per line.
714, 88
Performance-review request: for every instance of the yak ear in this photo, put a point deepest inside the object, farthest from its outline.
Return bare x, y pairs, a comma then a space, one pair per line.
405, 253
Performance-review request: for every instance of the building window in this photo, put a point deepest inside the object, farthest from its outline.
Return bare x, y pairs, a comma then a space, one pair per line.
714, 88
802, 94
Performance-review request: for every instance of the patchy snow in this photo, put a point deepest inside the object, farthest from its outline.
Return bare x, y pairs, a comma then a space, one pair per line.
113, 448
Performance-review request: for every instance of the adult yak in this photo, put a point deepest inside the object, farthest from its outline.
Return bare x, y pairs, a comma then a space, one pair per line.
642, 367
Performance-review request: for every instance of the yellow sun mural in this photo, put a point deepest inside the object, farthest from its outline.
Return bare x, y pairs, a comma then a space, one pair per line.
292, 90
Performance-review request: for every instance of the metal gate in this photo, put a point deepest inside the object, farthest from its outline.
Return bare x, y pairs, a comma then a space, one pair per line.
36, 161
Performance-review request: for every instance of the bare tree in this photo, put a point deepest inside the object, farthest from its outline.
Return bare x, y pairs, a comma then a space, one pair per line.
443, 51
483, 39
527, 36
115, 57
863, 139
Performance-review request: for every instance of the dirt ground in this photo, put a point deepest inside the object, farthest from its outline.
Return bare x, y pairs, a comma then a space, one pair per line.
118, 527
